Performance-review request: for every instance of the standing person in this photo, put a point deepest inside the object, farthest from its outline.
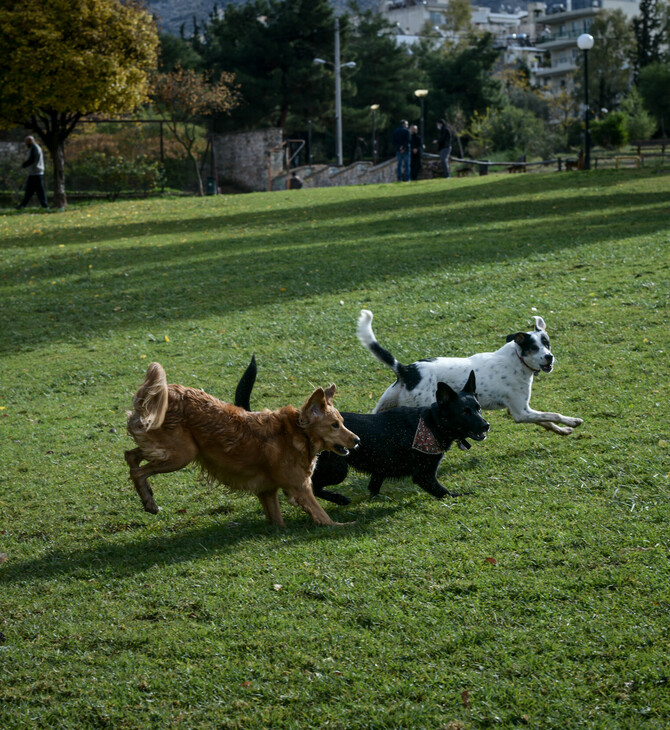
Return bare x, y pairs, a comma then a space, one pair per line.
416, 145
444, 144
35, 182
401, 140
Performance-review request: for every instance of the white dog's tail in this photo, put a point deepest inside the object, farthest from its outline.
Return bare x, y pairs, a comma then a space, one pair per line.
367, 337
151, 400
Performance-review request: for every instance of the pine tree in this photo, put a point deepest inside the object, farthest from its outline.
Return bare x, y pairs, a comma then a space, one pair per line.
648, 29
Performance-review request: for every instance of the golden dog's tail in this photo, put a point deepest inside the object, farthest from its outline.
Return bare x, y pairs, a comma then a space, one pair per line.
151, 400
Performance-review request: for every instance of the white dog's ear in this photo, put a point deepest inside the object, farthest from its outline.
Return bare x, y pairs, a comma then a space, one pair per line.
540, 326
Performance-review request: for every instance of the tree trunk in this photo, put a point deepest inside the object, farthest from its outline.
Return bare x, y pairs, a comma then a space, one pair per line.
57, 153
54, 128
196, 167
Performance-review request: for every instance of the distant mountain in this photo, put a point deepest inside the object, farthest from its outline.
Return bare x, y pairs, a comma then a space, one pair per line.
173, 14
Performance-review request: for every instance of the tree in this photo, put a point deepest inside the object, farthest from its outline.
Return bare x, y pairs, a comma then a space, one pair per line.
563, 109
609, 66
177, 52
183, 96
65, 59
461, 77
650, 34
386, 74
270, 45
610, 132
458, 15
510, 129
653, 84
640, 123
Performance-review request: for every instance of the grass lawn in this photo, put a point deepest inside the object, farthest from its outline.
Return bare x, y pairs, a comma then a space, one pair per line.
540, 598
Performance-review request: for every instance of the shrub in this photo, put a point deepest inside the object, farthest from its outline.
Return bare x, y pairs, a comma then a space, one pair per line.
610, 132
639, 122
512, 130
115, 173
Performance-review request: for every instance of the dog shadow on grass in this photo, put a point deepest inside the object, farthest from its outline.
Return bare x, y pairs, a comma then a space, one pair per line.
127, 549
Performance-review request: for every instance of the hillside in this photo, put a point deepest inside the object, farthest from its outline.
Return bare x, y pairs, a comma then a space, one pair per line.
172, 14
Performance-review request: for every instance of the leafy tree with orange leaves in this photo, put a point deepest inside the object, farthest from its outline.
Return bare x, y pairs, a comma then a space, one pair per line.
62, 60
183, 97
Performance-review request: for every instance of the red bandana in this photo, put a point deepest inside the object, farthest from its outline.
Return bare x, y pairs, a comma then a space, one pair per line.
425, 441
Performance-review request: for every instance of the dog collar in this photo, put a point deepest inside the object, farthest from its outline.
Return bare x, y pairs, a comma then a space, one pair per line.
535, 372
425, 441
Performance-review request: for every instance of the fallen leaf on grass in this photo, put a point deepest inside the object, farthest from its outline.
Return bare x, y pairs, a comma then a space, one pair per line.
492, 561
465, 697
3, 557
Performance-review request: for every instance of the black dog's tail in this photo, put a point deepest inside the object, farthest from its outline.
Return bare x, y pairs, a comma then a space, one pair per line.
367, 337
246, 385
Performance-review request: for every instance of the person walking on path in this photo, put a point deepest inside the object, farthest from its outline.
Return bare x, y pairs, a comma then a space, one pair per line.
416, 145
444, 145
35, 182
401, 141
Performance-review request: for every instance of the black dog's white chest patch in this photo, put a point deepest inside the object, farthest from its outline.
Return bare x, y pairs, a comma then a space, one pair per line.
425, 441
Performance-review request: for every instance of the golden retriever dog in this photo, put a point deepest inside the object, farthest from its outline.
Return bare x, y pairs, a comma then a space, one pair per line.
259, 452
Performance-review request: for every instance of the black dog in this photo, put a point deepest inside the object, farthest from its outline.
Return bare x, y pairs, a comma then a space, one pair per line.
397, 442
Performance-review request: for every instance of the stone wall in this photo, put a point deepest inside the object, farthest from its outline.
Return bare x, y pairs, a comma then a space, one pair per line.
254, 161
249, 159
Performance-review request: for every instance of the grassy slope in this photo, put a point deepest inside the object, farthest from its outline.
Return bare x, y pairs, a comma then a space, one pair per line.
538, 599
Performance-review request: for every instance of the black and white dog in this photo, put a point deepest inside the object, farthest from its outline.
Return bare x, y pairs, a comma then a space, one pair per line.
504, 377
397, 443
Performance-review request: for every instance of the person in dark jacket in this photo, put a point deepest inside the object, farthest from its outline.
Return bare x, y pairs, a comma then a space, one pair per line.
444, 145
401, 141
416, 146
35, 182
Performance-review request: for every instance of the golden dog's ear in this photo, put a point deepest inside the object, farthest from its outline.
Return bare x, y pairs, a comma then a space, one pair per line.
314, 407
329, 393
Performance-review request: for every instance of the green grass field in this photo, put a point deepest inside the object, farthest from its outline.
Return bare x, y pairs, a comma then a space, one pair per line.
540, 598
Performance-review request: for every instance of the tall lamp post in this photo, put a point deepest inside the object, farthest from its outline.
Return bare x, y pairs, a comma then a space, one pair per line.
585, 43
374, 108
421, 94
338, 91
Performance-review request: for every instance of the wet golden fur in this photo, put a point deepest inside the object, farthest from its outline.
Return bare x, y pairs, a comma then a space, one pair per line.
259, 452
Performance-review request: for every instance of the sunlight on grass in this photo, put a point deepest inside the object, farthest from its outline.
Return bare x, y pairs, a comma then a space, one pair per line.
538, 599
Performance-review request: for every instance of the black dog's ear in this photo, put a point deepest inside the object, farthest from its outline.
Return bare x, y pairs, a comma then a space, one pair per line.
471, 385
518, 337
445, 393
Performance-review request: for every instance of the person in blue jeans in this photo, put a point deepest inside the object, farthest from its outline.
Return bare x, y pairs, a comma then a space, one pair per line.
402, 142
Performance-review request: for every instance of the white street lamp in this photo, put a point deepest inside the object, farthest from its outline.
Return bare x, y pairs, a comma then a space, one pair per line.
421, 94
585, 43
375, 109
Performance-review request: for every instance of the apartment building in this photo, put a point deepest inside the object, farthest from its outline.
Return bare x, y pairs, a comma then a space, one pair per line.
557, 33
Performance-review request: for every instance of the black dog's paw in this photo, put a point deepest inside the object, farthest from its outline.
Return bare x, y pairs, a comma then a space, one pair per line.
340, 499
334, 497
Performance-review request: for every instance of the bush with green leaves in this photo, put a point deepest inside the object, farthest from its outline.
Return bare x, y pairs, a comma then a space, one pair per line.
610, 132
512, 130
115, 174
639, 122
